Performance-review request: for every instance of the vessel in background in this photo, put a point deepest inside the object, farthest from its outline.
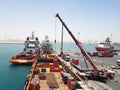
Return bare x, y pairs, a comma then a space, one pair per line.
104, 46
46, 46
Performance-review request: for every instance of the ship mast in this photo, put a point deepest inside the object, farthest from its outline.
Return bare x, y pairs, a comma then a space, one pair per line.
33, 35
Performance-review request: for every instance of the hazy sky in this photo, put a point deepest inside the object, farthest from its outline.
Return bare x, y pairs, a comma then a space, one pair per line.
94, 19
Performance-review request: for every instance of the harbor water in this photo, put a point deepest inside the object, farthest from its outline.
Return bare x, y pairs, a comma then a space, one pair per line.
12, 77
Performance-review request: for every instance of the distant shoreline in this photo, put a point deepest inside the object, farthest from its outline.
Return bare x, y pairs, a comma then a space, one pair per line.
11, 42
22, 42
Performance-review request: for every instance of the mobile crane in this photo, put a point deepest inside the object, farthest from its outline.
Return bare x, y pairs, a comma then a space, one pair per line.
95, 72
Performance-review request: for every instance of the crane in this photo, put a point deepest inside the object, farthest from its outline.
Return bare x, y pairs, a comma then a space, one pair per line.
96, 72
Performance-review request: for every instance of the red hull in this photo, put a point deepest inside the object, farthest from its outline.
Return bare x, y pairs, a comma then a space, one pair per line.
26, 59
102, 49
21, 61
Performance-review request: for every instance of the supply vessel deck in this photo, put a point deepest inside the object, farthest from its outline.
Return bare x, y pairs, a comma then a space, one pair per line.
49, 73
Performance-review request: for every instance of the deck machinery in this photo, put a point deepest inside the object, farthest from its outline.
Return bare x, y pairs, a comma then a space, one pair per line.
95, 73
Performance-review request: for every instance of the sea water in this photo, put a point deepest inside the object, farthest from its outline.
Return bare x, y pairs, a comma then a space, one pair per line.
12, 77
73, 47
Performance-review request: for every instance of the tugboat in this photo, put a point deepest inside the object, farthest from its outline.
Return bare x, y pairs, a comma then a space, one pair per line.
30, 52
105, 46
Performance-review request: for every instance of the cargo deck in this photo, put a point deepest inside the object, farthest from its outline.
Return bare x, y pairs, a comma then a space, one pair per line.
53, 74
45, 84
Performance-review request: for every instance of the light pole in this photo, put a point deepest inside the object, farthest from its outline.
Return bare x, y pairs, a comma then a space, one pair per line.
111, 37
78, 35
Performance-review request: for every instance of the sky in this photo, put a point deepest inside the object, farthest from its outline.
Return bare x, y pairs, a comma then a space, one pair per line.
94, 20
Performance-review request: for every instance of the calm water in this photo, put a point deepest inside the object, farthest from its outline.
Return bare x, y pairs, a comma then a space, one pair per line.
73, 47
12, 77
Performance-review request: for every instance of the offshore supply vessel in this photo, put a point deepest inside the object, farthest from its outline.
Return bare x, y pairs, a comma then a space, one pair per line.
104, 46
30, 52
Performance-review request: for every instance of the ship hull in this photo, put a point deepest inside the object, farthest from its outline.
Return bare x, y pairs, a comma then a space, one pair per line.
102, 48
26, 59
21, 61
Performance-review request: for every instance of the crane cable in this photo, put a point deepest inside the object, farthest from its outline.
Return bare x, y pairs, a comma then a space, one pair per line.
55, 32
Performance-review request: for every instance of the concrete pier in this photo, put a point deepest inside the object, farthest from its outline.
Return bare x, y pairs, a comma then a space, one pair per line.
101, 63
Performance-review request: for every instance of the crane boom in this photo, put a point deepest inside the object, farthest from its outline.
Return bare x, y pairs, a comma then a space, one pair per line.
83, 50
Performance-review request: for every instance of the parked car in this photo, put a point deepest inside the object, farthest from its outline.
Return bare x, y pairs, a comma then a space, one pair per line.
115, 67
118, 62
